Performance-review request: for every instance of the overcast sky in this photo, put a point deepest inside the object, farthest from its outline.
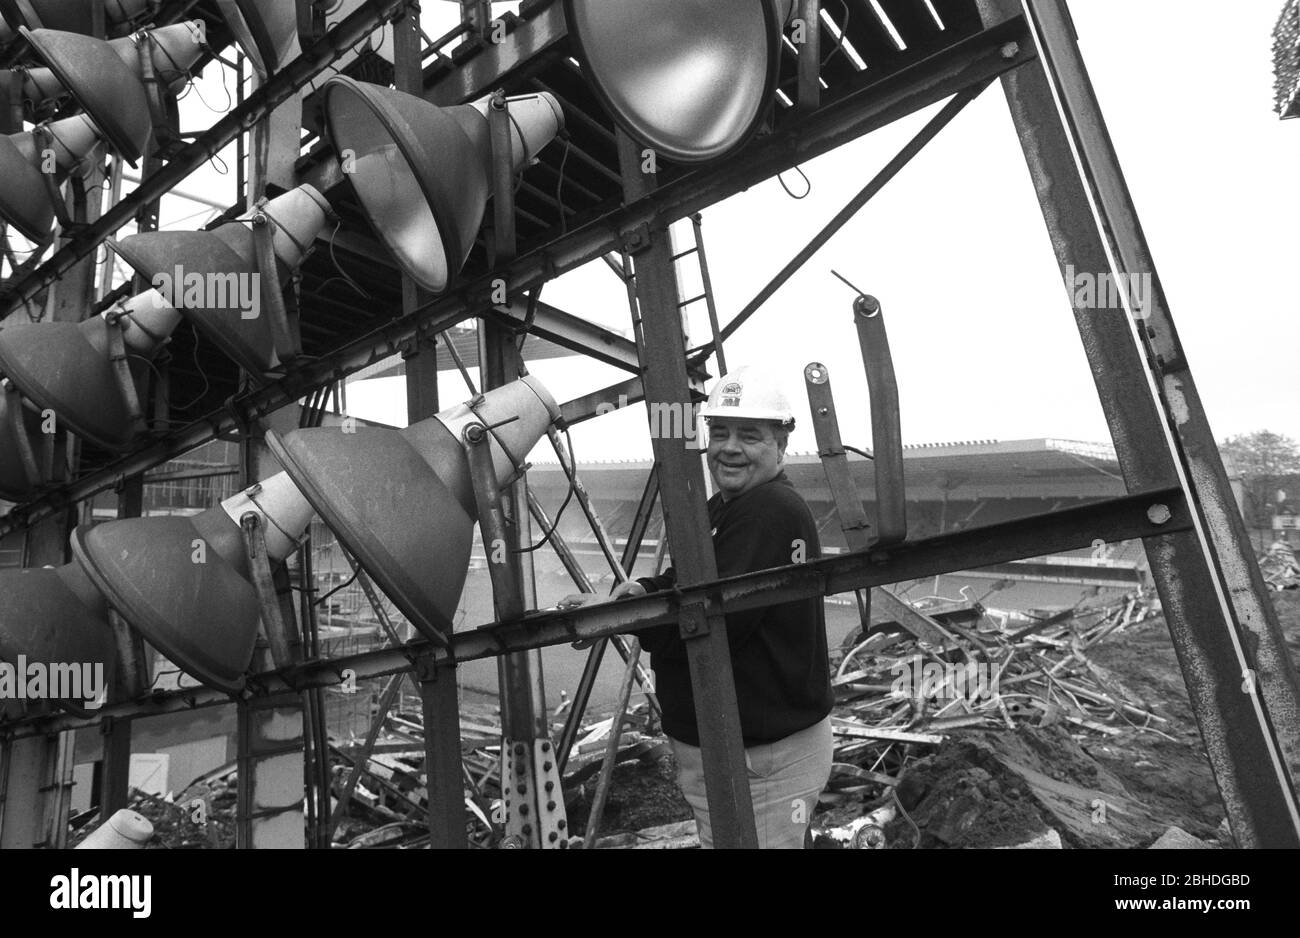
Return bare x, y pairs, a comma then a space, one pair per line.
982, 335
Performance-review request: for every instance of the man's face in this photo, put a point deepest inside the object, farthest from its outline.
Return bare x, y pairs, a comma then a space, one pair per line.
743, 454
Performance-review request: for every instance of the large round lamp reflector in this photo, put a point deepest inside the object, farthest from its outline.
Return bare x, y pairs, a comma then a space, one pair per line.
108, 90
169, 578
391, 511
181, 264
424, 193
689, 78
54, 617
55, 365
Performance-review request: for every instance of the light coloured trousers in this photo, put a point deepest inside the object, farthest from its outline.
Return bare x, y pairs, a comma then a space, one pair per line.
785, 778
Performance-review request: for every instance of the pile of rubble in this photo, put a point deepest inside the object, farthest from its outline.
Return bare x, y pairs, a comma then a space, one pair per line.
202, 817
1280, 567
1050, 728
1007, 668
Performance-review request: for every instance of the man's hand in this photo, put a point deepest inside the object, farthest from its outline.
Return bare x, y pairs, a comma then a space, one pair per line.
627, 590
623, 591
576, 600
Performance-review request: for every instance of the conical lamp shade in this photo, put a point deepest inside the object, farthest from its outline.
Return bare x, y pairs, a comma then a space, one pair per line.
210, 274
267, 30
64, 366
174, 50
421, 171
55, 616
183, 582
382, 493
24, 199
107, 89
690, 78
520, 413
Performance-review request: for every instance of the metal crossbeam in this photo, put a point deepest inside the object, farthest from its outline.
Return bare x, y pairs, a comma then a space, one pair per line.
1154, 513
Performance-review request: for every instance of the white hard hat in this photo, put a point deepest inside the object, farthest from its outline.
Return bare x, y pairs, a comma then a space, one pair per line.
749, 393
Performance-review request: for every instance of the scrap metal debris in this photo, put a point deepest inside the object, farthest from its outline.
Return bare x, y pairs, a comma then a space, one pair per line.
973, 742
1280, 567
898, 700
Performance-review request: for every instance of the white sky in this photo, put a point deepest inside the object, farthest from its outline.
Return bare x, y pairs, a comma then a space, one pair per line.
983, 339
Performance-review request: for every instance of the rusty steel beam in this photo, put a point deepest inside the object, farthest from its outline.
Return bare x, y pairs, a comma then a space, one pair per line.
1146, 515
886, 425
661, 343
572, 332
1241, 684
848, 505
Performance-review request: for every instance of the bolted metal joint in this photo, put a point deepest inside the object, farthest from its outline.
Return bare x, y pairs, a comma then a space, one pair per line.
693, 621
866, 306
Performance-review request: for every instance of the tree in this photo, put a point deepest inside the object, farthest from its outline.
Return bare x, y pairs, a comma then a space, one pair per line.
1265, 459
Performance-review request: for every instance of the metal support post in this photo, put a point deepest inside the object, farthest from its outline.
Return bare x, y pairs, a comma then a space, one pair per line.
439, 700
886, 429
1239, 680
477, 15
269, 811
36, 781
271, 734
130, 682
661, 346
534, 815
440, 706
853, 519
530, 780
810, 56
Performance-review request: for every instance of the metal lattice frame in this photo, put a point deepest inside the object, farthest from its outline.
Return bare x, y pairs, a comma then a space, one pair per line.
1242, 685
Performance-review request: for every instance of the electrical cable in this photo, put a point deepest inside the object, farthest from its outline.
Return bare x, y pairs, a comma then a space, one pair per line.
807, 182
193, 85
534, 297
346, 583
844, 31
559, 183
339, 267
573, 485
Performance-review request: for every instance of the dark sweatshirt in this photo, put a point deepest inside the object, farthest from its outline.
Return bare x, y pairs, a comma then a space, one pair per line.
778, 653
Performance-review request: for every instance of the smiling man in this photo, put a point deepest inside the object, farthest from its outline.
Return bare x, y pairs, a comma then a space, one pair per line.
778, 653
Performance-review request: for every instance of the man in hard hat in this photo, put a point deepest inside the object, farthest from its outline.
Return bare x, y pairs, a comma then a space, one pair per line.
778, 653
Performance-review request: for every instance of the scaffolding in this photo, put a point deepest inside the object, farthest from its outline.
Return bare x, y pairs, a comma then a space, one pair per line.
1178, 500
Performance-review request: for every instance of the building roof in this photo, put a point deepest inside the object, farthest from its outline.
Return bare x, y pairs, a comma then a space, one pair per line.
1036, 468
